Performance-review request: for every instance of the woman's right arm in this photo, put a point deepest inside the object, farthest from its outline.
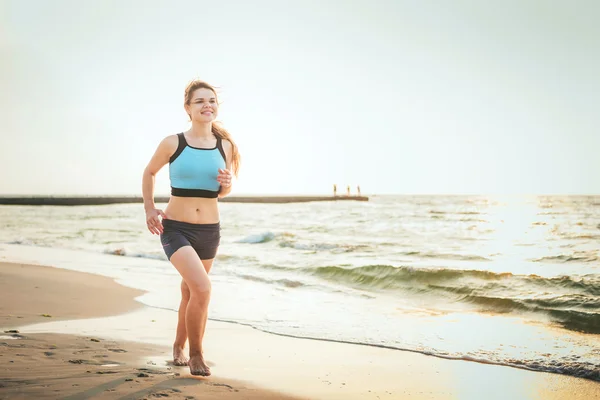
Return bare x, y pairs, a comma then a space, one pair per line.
160, 158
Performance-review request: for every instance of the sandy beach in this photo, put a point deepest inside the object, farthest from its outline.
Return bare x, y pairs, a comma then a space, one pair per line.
52, 366
74, 335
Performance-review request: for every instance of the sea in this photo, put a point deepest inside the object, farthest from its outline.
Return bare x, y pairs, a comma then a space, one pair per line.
508, 280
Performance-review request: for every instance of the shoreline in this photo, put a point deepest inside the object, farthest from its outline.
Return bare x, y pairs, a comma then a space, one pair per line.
51, 365
280, 364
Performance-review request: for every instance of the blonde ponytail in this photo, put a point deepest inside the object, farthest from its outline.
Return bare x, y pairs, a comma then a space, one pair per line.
219, 131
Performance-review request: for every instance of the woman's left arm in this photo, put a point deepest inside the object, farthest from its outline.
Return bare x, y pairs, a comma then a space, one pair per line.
225, 175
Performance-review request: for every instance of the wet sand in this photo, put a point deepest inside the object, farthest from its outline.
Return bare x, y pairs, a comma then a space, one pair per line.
65, 366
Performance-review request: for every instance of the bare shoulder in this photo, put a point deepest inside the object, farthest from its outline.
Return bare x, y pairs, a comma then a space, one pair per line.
171, 140
169, 144
166, 148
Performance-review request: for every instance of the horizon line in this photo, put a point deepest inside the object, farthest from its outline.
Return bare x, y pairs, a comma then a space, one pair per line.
273, 194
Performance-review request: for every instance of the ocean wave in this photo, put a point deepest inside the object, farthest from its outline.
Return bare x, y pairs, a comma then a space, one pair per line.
446, 256
573, 302
577, 236
307, 246
380, 276
454, 212
290, 283
385, 275
581, 321
565, 258
264, 237
337, 248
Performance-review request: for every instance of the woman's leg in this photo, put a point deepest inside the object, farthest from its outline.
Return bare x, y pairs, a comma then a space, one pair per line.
191, 269
181, 336
207, 266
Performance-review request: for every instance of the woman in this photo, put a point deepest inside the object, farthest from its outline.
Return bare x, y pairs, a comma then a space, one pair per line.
200, 164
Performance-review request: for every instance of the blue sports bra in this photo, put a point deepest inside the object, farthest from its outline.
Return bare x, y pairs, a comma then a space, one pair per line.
193, 171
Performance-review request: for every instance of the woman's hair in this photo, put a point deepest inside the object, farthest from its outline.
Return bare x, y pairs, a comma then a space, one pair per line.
217, 129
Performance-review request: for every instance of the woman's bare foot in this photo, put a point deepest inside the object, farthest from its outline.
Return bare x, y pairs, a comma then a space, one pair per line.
179, 358
198, 367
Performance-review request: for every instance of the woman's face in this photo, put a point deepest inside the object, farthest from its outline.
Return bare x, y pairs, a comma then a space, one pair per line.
203, 106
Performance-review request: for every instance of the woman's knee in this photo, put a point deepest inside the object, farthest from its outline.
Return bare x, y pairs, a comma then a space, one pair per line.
200, 289
185, 290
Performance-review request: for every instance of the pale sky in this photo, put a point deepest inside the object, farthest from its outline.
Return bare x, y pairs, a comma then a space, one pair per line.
398, 96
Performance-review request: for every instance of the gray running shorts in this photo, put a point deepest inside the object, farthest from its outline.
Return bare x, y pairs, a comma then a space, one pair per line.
204, 238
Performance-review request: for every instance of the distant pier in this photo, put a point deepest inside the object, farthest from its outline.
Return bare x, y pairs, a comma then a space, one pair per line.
102, 200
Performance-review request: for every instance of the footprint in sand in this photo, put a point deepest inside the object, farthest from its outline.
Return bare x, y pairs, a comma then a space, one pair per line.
118, 350
88, 362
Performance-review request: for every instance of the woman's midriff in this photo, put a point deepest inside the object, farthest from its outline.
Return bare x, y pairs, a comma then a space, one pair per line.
195, 210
